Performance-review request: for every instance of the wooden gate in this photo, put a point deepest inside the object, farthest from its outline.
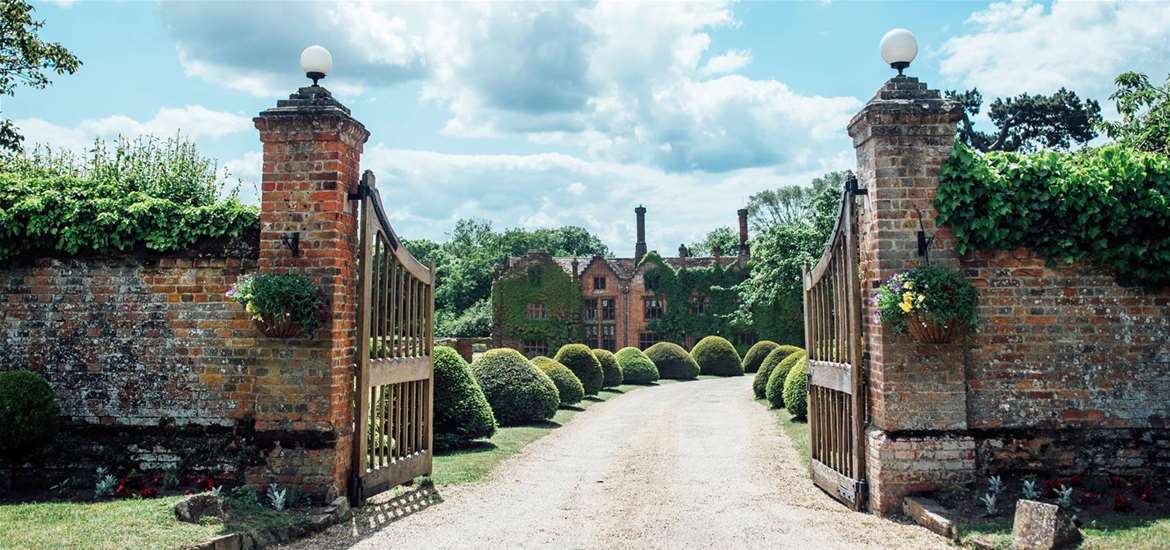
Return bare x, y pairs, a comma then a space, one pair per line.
836, 389
393, 434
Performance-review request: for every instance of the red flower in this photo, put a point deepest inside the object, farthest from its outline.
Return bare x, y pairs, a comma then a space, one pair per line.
1122, 504
149, 492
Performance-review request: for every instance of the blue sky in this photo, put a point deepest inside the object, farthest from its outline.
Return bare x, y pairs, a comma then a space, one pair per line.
541, 114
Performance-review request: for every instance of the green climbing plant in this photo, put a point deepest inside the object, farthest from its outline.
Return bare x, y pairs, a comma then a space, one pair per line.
700, 301
545, 283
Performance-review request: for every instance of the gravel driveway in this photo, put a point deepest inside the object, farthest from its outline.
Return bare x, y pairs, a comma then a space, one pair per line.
686, 465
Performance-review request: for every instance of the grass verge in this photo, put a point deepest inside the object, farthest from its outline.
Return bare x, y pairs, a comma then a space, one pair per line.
472, 463
796, 430
130, 523
1103, 532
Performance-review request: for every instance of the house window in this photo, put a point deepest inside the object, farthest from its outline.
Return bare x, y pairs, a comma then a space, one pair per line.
653, 308
609, 337
590, 312
536, 311
599, 283
532, 348
591, 335
745, 339
535, 274
608, 309
699, 304
647, 339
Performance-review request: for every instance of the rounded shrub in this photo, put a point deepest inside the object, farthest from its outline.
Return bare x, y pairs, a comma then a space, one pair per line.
778, 354
518, 392
581, 361
636, 367
717, 357
756, 355
462, 412
796, 389
28, 414
610, 367
673, 361
774, 391
569, 387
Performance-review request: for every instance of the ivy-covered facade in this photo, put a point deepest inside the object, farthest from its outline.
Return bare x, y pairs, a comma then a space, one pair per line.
542, 302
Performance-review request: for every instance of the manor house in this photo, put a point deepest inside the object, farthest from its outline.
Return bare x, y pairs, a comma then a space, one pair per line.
541, 301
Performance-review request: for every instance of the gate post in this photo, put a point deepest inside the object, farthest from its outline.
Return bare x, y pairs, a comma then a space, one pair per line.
304, 386
916, 437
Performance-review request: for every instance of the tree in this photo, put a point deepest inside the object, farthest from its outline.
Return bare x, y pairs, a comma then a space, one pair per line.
771, 296
1145, 113
26, 59
793, 203
1028, 122
725, 237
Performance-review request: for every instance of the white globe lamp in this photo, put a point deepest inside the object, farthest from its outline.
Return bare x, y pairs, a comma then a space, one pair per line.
316, 61
899, 48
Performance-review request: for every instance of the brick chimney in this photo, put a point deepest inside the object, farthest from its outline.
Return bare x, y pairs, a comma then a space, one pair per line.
744, 253
640, 246
682, 251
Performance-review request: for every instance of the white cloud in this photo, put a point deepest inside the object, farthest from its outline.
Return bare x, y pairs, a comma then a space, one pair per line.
618, 81
528, 191
192, 121
725, 63
1022, 46
246, 171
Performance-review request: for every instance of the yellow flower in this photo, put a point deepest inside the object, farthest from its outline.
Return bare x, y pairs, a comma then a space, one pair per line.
908, 297
909, 284
921, 297
905, 307
248, 308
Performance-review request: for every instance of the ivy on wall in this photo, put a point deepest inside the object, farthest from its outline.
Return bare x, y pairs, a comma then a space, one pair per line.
541, 282
700, 301
1108, 205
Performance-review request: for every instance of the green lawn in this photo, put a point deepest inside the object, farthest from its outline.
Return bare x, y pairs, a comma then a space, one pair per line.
1102, 532
472, 464
796, 430
129, 523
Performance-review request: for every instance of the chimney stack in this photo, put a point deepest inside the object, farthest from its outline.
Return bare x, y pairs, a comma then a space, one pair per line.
744, 253
682, 251
717, 251
640, 246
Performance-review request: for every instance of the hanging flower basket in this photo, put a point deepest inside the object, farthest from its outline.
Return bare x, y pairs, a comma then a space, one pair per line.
277, 328
932, 304
926, 330
282, 305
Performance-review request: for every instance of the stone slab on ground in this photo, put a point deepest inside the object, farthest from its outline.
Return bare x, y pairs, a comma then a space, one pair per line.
1042, 526
928, 513
196, 507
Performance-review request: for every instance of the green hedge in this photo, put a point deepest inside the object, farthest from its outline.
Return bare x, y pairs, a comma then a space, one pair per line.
756, 355
569, 387
462, 412
159, 196
673, 361
1108, 205
774, 358
717, 357
796, 389
636, 367
518, 392
774, 390
28, 414
579, 358
609, 366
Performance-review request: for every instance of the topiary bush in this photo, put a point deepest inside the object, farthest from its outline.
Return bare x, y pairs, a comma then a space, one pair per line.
778, 354
610, 367
774, 389
636, 367
569, 387
462, 412
28, 414
673, 361
581, 361
756, 355
717, 357
518, 392
796, 389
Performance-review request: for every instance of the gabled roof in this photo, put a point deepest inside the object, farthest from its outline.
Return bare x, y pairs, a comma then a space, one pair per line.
624, 268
